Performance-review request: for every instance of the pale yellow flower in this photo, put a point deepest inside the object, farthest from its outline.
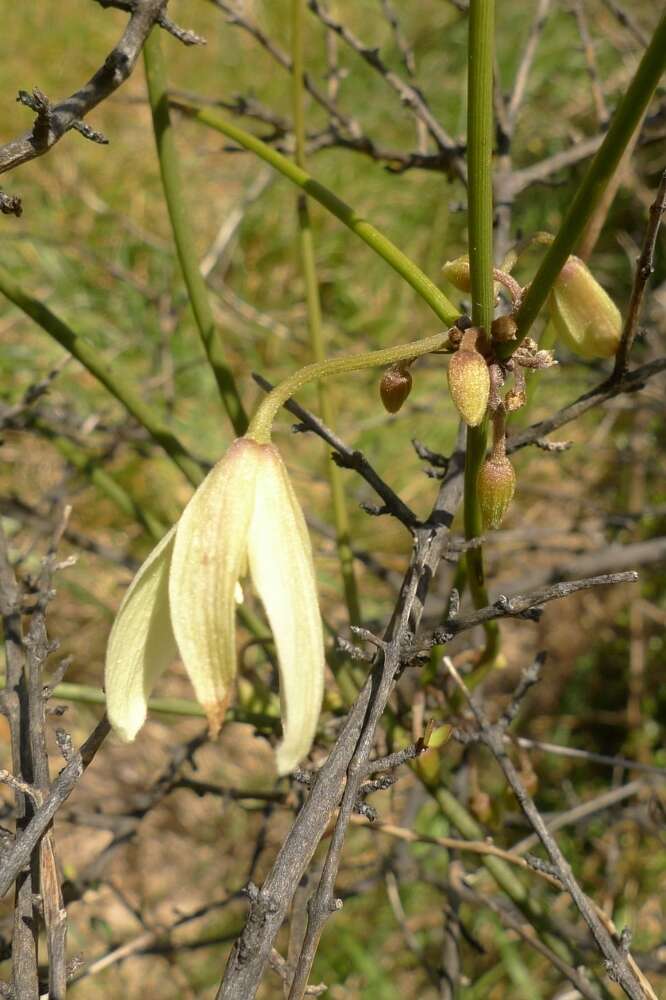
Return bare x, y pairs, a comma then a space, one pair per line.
244, 516
583, 313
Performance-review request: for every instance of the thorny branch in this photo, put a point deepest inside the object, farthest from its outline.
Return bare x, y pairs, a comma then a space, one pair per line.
631, 382
644, 269
52, 121
336, 790
619, 965
527, 606
268, 910
31, 860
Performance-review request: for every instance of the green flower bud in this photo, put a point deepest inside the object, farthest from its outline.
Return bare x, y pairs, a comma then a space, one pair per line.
457, 273
469, 380
495, 488
395, 387
583, 314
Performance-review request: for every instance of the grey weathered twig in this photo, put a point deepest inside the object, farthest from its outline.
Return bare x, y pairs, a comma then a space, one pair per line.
270, 905
591, 62
162, 19
18, 856
348, 458
238, 17
617, 959
526, 60
625, 763
16, 708
323, 902
54, 120
582, 810
630, 382
644, 269
410, 96
468, 894
521, 605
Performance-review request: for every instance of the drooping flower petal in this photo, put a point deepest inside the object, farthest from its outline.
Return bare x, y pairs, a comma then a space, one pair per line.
209, 553
583, 313
141, 644
280, 559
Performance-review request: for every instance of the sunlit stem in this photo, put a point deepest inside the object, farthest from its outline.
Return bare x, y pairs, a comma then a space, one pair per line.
365, 230
174, 195
262, 421
480, 199
315, 328
623, 124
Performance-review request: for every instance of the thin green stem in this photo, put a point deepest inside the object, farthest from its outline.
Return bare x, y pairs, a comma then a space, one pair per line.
376, 240
480, 200
126, 396
623, 124
315, 328
261, 423
104, 372
88, 695
182, 233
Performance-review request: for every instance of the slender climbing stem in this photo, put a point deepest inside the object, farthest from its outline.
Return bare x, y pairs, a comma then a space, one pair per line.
262, 421
315, 328
86, 694
106, 374
174, 195
142, 412
375, 239
480, 200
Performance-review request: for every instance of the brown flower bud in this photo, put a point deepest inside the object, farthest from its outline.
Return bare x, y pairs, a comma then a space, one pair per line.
469, 380
583, 314
495, 488
503, 329
395, 387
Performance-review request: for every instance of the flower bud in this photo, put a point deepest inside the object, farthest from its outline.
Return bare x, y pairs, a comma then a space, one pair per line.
583, 314
457, 273
495, 488
469, 380
503, 329
395, 387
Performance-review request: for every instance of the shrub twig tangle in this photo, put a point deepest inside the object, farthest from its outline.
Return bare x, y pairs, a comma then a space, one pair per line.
368, 665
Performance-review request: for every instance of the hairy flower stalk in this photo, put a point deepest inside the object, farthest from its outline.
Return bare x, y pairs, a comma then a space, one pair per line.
244, 517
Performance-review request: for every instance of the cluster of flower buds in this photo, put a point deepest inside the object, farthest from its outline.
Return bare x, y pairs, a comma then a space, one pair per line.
583, 315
